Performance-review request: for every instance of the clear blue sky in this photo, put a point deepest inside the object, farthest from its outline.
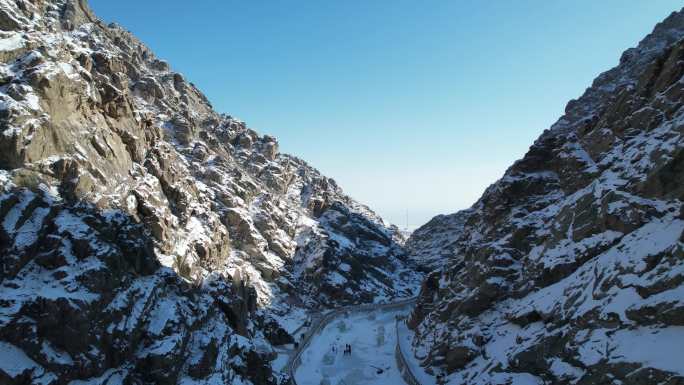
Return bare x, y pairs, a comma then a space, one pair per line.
409, 105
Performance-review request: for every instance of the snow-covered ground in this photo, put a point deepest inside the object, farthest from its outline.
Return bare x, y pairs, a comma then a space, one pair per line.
373, 339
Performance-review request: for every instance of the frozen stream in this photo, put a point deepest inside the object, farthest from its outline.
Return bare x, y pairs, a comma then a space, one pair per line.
373, 339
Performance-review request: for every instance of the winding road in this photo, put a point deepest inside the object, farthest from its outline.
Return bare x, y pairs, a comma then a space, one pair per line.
320, 321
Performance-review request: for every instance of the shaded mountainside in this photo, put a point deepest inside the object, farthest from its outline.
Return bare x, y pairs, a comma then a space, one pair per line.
145, 237
570, 269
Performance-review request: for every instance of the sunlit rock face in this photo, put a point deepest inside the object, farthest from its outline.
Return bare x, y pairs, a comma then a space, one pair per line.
146, 238
570, 269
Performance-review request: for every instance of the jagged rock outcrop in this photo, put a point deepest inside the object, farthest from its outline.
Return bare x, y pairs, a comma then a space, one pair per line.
570, 269
146, 238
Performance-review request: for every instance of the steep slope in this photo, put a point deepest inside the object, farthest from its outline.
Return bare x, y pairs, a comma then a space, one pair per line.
570, 269
145, 237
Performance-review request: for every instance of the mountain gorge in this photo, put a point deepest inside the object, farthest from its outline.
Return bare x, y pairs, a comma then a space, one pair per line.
145, 237
570, 268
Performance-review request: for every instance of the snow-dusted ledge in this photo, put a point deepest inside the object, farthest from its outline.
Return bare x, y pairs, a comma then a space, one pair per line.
417, 373
404, 368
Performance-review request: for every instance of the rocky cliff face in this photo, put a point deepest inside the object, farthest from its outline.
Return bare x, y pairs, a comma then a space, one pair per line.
145, 237
570, 269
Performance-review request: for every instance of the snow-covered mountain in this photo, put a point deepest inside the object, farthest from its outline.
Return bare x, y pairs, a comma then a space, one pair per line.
570, 269
146, 238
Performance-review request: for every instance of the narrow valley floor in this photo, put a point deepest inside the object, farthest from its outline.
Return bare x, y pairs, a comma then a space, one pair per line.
372, 336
